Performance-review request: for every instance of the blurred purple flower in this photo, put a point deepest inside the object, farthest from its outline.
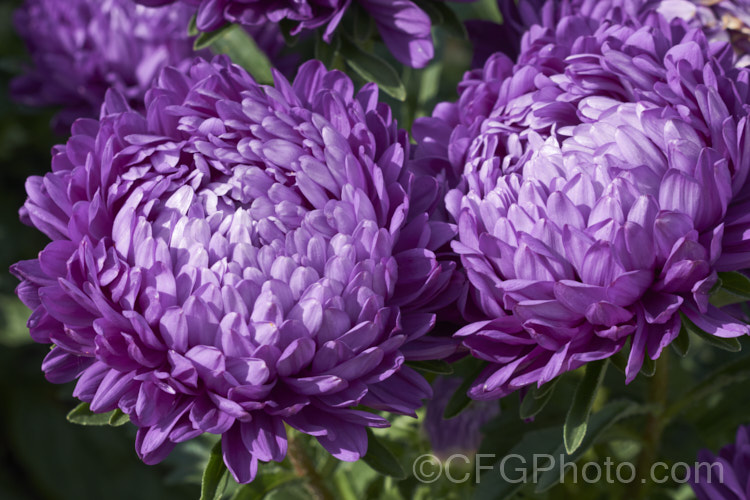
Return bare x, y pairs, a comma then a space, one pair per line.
461, 434
241, 258
723, 20
603, 187
729, 477
80, 48
403, 25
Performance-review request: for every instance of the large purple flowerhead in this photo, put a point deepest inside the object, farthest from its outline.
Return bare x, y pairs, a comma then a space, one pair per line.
80, 48
725, 476
238, 259
604, 186
403, 25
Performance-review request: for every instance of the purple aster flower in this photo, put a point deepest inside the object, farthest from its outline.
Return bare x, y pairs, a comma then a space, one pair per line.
238, 259
461, 434
404, 27
726, 476
725, 20
80, 48
604, 185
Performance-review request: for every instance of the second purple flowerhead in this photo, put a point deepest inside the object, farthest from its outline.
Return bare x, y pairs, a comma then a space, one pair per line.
238, 259
722, 20
403, 25
601, 185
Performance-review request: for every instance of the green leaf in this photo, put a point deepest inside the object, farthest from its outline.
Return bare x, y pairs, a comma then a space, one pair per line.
193, 26
600, 422
736, 283
215, 475
546, 389
722, 297
431, 366
242, 49
451, 23
536, 399
620, 358
265, 482
681, 345
13, 318
206, 38
380, 459
373, 69
458, 402
727, 344
118, 418
429, 86
188, 460
506, 477
82, 415
485, 9
327, 52
576, 421
460, 399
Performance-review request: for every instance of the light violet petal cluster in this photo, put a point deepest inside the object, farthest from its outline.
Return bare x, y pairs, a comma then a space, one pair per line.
601, 184
80, 48
404, 27
729, 471
240, 258
461, 434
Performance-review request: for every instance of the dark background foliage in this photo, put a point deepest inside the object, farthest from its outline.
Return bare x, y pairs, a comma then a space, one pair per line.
42, 456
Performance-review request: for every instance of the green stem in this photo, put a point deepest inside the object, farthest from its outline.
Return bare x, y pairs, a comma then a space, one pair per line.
305, 469
652, 432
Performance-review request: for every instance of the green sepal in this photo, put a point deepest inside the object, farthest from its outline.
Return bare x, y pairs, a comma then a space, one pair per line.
206, 38
82, 415
215, 475
536, 399
431, 366
576, 421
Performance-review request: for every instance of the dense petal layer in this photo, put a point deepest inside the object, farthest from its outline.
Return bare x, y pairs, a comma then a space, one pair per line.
238, 258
